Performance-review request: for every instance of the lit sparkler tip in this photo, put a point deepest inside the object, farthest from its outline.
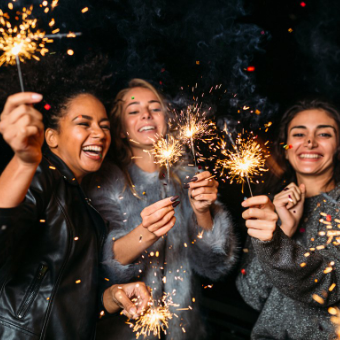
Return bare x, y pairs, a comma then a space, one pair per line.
167, 151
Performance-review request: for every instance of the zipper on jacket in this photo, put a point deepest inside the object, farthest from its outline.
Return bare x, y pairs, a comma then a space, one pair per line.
33, 290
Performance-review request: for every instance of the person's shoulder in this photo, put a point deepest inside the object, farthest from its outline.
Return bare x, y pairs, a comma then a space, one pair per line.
108, 175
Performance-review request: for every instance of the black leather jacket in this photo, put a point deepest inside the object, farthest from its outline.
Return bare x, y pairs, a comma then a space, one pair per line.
49, 283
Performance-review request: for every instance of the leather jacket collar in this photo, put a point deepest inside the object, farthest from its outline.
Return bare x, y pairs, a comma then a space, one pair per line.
56, 161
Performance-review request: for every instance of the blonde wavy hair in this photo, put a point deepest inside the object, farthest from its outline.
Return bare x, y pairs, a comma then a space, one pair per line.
120, 151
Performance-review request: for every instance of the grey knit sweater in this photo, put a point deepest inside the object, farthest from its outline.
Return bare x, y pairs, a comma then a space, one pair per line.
282, 275
175, 256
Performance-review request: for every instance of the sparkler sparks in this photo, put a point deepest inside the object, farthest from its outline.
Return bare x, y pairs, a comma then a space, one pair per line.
22, 41
167, 151
244, 162
156, 319
194, 125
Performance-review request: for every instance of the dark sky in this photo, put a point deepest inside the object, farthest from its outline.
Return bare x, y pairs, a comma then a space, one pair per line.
178, 44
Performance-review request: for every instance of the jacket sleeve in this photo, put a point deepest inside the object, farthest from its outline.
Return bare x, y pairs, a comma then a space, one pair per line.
19, 221
298, 272
214, 252
252, 282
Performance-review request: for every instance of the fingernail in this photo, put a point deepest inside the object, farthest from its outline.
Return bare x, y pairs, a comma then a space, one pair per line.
37, 96
194, 179
285, 189
242, 204
176, 204
174, 198
289, 196
186, 186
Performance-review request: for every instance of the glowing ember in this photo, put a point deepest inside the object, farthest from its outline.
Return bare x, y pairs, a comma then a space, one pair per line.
156, 319
167, 152
21, 40
243, 163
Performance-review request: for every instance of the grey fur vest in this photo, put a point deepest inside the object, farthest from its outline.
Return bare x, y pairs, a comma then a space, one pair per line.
168, 265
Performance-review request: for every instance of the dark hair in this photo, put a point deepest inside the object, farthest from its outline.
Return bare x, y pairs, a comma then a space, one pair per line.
59, 79
287, 173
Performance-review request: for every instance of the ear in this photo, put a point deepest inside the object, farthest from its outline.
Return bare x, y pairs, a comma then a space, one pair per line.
122, 135
51, 138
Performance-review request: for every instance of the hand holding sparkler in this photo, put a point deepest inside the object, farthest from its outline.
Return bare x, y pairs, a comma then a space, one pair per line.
289, 206
202, 194
260, 217
159, 217
120, 296
22, 127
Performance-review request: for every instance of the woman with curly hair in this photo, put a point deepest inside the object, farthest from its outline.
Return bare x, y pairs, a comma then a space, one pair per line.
160, 232
51, 237
290, 271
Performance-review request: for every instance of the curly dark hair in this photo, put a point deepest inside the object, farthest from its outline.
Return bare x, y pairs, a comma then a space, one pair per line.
59, 79
288, 173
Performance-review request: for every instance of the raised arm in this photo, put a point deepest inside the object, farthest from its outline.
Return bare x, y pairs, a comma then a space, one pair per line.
22, 128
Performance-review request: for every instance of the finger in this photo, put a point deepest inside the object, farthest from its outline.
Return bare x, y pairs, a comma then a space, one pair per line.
260, 224
204, 183
20, 99
125, 303
157, 216
257, 201
200, 176
302, 187
162, 222
22, 111
162, 231
158, 205
261, 214
143, 292
203, 190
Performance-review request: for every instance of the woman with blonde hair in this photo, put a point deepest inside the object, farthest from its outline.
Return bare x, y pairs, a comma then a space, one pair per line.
160, 232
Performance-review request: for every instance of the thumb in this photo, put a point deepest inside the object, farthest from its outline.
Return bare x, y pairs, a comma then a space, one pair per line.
302, 187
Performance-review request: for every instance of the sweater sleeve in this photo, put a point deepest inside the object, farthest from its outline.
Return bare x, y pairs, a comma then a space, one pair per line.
105, 198
298, 272
214, 252
252, 282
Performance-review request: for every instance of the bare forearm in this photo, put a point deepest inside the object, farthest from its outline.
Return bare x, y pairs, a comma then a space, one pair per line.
130, 246
14, 182
204, 220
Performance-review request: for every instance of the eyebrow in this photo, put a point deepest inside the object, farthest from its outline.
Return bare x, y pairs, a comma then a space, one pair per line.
318, 127
89, 118
150, 102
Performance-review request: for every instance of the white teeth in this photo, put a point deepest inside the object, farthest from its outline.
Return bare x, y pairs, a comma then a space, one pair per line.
307, 155
147, 128
93, 148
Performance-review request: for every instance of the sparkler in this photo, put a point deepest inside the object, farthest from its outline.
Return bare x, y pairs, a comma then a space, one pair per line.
244, 163
195, 126
167, 151
156, 319
25, 40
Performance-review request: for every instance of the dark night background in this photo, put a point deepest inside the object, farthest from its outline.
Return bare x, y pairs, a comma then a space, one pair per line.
294, 47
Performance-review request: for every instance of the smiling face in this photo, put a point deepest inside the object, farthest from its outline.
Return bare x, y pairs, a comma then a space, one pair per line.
83, 137
314, 137
143, 118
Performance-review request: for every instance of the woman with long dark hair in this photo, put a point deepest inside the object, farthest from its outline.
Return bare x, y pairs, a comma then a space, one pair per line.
161, 232
290, 270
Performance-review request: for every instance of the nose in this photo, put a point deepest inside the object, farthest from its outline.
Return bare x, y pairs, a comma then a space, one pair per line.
310, 142
146, 114
97, 132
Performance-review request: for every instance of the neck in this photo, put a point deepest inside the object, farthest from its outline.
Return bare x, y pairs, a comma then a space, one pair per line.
144, 160
316, 184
